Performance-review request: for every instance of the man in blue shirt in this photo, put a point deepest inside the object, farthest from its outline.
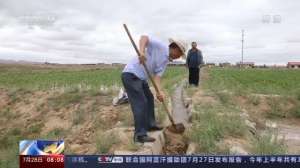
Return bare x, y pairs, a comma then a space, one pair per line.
193, 61
156, 55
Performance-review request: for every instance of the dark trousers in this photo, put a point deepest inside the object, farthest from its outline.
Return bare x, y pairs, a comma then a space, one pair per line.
141, 101
194, 76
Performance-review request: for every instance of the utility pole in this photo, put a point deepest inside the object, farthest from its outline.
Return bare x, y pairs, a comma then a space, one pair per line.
242, 62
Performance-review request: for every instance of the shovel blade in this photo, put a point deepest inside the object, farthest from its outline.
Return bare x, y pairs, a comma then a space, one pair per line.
176, 128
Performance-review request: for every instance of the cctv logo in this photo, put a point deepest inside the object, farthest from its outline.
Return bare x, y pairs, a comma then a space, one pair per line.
110, 159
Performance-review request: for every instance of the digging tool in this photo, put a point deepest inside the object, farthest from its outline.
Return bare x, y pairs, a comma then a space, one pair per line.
176, 128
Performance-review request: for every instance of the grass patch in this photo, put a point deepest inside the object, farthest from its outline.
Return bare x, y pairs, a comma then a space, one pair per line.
263, 81
9, 140
56, 133
241, 92
296, 111
35, 128
132, 146
105, 91
15, 132
224, 97
105, 141
9, 148
126, 117
78, 116
283, 106
206, 138
234, 126
68, 97
10, 156
268, 144
254, 100
213, 123
209, 126
172, 76
298, 96
160, 113
42, 108
42, 78
275, 109
190, 90
15, 95
7, 113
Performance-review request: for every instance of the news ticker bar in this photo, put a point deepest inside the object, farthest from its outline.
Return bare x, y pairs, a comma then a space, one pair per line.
103, 161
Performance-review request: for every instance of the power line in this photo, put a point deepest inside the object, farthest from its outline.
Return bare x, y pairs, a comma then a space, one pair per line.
242, 62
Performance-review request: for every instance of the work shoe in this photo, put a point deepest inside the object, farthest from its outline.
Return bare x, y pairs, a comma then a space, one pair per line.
156, 128
143, 139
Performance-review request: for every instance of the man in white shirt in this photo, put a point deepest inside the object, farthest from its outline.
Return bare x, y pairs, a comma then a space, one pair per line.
156, 55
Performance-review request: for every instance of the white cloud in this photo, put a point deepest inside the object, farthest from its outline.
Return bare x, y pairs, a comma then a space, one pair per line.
74, 31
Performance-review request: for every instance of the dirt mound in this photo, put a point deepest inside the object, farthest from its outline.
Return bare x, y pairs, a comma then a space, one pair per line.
175, 143
74, 116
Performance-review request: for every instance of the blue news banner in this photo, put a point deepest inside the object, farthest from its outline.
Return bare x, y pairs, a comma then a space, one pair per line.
190, 161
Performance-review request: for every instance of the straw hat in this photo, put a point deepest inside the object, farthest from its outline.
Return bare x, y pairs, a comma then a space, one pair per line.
181, 44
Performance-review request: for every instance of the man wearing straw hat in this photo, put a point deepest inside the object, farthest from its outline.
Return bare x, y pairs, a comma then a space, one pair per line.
156, 55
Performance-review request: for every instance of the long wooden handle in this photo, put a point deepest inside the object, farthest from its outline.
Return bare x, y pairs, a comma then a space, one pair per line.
139, 54
148, 73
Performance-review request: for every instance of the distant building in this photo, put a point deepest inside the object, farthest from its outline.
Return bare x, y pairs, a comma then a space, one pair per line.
225, 64
246, 64
262, 66
278, 66
118, 64
209, 65
176, 63
101, 64
293, 65
88, 64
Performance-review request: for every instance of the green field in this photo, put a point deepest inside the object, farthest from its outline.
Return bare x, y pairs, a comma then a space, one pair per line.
31, 78
229, 93
261, 81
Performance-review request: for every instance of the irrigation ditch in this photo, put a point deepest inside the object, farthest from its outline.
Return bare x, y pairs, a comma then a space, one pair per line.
168, 142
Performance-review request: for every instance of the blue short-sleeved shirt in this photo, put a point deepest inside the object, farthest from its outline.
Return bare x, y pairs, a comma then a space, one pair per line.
157, 54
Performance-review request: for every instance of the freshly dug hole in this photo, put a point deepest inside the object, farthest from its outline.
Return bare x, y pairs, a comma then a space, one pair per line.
175, 143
